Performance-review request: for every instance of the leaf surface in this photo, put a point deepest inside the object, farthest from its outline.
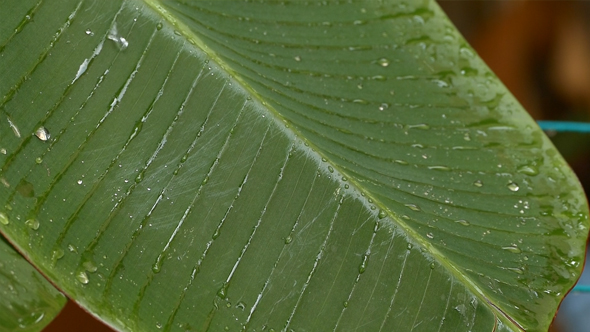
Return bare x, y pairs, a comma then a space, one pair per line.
294, 165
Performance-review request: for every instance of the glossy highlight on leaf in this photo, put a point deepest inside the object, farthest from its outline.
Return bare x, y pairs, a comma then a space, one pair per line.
184, 165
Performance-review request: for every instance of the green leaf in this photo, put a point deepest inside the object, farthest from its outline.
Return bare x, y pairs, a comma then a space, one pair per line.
28, 302
292, 165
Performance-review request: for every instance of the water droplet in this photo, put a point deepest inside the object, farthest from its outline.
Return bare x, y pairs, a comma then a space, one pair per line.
401, 162
72, 248
4, 219
439, 168
331, 169
159, 26
463, 222
478, 183
363, 266
241, 305
32, 224
297, 58
158, 325
515, 269
513, 249
383, 106
139, 177
513, 186
383, 62
528, 170
38, 160
413, 207
360, 101
410, 246
89, 266
422, 126
89, 32
222, 292
345, 304
3, 151
430, 235
121, 42
432, 265
288, 239
82, 277
57, 254
42, 134
382, 214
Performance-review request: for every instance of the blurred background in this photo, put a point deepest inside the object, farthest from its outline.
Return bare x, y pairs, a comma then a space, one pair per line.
541, 51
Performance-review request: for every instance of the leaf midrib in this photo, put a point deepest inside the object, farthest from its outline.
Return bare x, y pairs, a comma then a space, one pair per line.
411, 235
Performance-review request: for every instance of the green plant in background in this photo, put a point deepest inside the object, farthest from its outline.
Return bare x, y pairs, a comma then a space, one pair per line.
275, 165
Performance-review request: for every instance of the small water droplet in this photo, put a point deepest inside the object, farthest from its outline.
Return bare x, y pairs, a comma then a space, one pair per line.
331, 169
42, 134
3, 151
513, 249
478, 183
383, 106
89, 32
360, 101
345, 304
413, 207
297, 58
383, 62
382, 214
432, 265
401, 162
139, 177
288, 239
463, 222
430, 235
159, 26
82, 277
410, 246
513, 186
72, 248
38, 160
32, 224
158, 325
176, 32
4, 219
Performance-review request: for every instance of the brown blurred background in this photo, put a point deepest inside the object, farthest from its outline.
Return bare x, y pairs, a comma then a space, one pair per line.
541, 51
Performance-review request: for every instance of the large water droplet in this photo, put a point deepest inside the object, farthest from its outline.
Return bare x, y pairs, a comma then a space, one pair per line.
42, 133
463, 222
513, 186
32, 224
4, 219
528, 170
57, 254
413, 207
513, 249
363, 266
478, 183
121, 42
82, 277
383, 62
89, 266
